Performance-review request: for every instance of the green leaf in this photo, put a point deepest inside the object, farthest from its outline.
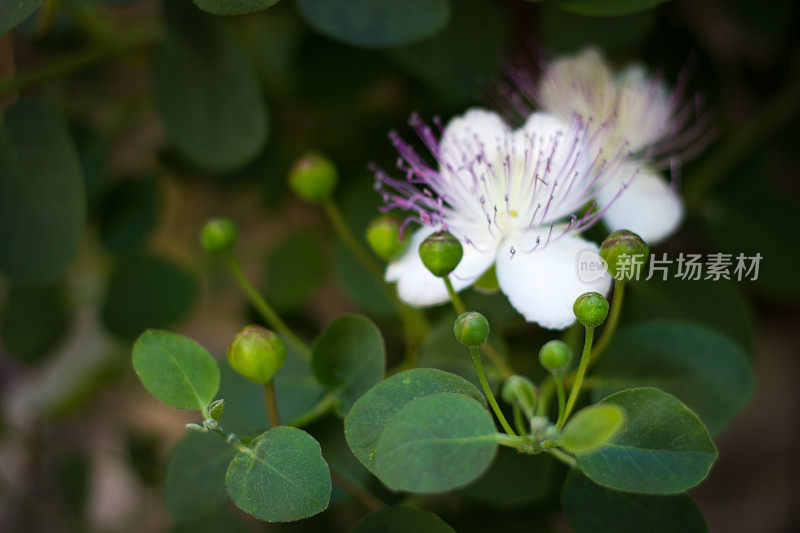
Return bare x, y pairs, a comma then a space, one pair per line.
662, 448
717, 304
42, 199
563, 32
348, 358
194, 485
129, 214
295, 270
442, 64
283, 478
402, 520
233, 7
591, 508
14, 12
147, 292
514, 480
376, 23
606, 8
370, 415
701, 367
590, 427
175, 369
33, 320
436, 443
206, 92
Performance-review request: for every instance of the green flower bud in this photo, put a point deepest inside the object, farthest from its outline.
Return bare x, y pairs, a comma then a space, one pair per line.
382, 237
471, 328
257, 353
623, 245
441, 253
216, 408
519, 390
313, 177
218, 236
555, 356
591, 308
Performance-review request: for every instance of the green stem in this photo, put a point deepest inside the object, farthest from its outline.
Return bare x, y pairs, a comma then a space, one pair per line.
563, 457
476, 358
414, 324
271, 403
611, 323
559, 380
68, 64
265, 310
458, 304
519, 423
512, 441
319, 410
576, 386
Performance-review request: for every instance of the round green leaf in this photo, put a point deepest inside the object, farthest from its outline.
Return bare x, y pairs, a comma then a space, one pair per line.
33, 320
194, 485
42, 199
702, 367
12, 13
591, 508
436, 443
402, 520
662, 448
514, 480
606, 8
233, 7
369, 416
376, 23
349, 358
717, 304
207, 93
295, 270
129, 214
590, 427
441, 63
283, 478
147, 292
175, 369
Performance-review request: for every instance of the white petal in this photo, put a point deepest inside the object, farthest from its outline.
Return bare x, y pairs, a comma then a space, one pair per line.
417, 287
648, 206
543, 284
478, 131
582, 83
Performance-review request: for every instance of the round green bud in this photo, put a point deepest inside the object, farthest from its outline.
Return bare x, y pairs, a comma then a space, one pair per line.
313, 177
555, 356
623, 246
519, 390
441, 253
591, 309
257, 353
383, 237
218, 236
471, 328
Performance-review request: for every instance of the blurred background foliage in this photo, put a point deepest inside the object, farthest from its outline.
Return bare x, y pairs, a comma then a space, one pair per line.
128, 123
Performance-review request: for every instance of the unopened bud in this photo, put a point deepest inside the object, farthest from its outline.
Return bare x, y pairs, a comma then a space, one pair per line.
555, 357
383, 237
218, 236
441, 253
623, 247
471, 328
313, 177
519, 390
257, 353
591, 309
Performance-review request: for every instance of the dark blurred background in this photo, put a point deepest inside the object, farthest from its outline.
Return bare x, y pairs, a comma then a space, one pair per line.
83, 446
